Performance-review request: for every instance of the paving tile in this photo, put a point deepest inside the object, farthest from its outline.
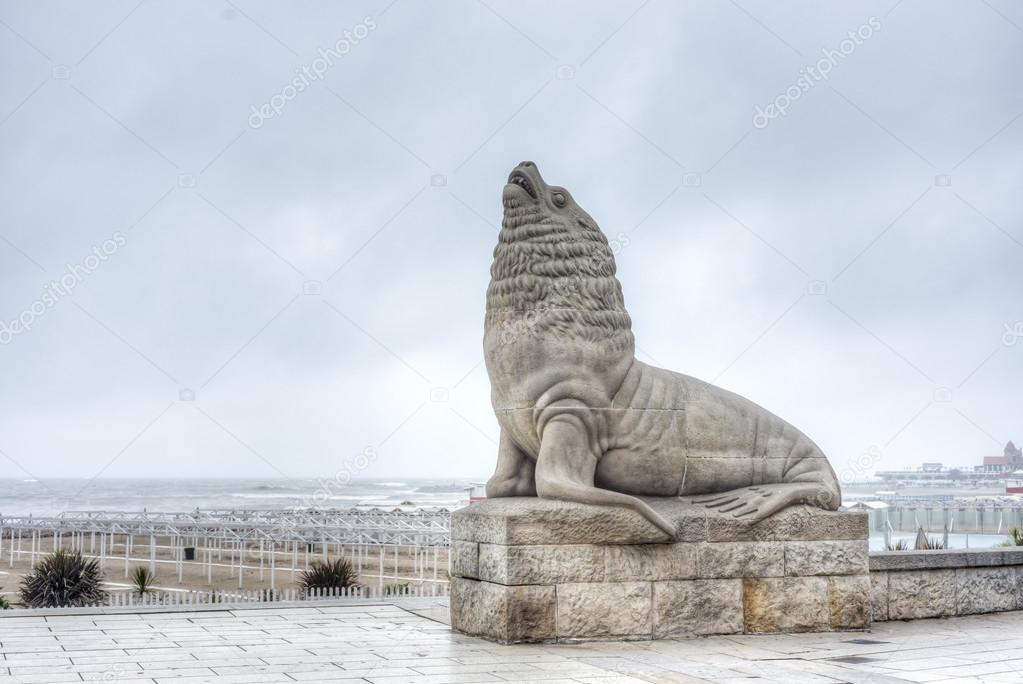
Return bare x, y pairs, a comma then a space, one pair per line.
387, 645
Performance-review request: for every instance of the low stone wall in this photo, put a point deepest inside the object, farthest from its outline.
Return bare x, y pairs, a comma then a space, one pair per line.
906, 585
535, 570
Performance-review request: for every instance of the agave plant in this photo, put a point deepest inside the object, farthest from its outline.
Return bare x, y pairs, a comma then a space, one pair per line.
900, 545
63, 579
143, 580
329, 575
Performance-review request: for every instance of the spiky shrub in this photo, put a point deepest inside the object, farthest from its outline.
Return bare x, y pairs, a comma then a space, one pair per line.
398, 589
63, 579
900, 545
143, 580
1015, 537
934, 544
329, 575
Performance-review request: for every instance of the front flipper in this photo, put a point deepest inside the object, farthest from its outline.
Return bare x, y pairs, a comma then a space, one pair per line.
761, 501
514, 473
565, 468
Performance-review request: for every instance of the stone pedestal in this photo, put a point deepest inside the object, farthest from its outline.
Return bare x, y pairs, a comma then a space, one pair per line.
525, 569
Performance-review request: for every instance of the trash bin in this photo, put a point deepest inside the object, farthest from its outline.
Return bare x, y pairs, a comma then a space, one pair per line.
190, 553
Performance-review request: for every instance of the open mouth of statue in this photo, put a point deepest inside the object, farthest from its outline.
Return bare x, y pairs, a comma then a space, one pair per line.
522, 180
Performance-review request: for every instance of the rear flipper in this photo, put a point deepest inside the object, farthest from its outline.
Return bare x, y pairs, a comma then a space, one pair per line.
565, 469
761, 501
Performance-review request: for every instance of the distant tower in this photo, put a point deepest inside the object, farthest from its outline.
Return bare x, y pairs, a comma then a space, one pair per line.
1013, 456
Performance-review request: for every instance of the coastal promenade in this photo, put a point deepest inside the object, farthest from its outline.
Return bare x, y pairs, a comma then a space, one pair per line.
409, 642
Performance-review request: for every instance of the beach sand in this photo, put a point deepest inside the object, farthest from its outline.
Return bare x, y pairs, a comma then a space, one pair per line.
400, 564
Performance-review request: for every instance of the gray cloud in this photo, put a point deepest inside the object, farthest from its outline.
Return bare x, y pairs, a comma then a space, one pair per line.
318, 281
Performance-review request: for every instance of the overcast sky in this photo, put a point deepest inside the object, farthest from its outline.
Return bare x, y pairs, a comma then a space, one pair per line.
269, 296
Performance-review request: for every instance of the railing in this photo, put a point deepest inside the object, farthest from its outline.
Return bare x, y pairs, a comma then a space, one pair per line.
130, 598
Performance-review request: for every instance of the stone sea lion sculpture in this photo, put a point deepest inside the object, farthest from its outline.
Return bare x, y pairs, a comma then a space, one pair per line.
582, 419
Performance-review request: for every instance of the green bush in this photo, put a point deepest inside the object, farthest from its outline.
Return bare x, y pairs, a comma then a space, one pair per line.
4, 605
329, 575
143, 580
63, 579
398, 589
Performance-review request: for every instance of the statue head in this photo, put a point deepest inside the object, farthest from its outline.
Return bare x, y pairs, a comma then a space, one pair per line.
554, 265
528, 199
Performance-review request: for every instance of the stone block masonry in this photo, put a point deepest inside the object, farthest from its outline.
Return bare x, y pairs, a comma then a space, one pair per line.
906, 585
526, 570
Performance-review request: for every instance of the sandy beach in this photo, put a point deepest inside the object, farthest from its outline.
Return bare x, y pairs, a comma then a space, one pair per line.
218, 568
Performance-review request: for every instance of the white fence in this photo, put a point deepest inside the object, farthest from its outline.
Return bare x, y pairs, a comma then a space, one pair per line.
155, 598
192, 597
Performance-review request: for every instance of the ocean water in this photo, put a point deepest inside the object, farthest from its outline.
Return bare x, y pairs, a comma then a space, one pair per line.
53, 496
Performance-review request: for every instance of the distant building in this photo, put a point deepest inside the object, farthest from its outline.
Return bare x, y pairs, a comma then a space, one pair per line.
932, 467
1010, 461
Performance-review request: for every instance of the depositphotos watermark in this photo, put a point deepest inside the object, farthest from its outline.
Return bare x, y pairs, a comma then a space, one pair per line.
862, 466
58, 289
314, 71
342, 478
1013, 333
813, 74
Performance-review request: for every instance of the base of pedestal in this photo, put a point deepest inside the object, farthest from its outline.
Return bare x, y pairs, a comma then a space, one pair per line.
526, 569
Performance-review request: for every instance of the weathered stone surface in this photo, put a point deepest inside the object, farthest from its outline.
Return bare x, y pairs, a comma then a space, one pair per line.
879, 596
560, 355
608, 609
740, 559
465, 559
553, 570
505, 614
985, 590
697, 607
804, 523
624, 563
849, 601
548, 564
786, 604
921, 594
533, 521
953, 558
826, 558
1019, 587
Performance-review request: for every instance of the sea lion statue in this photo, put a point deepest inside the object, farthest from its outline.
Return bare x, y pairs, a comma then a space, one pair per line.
582, 419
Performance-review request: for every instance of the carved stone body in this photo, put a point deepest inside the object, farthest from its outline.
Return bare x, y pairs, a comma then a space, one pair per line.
581, 419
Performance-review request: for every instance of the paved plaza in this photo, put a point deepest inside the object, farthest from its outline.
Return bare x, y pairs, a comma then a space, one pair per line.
411, 644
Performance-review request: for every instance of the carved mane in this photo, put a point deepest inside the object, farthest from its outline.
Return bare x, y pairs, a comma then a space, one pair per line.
559, 277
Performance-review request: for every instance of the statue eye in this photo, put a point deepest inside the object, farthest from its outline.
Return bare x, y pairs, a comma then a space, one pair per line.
559, 199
